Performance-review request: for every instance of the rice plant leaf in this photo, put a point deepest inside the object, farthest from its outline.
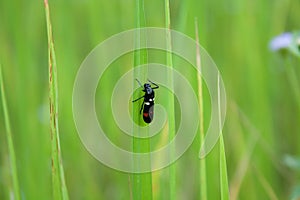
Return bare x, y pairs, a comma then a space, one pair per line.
11, 150
223, 167
170, 108
58, 178
203, 181
142, 183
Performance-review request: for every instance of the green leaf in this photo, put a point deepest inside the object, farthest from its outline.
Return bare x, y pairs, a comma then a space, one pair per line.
223, 167
58, 178
142, 183
11, 150
203, 181
170, 107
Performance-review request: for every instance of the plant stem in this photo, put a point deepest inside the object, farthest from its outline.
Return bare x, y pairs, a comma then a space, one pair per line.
223, 167
142, 183
203, 181
170, 108
11, 150
58, 178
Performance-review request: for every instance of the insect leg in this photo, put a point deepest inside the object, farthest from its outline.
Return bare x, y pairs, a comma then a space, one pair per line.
138, 98
156, 86
142, 107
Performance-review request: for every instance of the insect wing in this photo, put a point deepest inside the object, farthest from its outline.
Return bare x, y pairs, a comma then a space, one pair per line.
148, 113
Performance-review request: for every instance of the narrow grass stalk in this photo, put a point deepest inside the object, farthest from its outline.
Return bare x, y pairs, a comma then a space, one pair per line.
58, 178
292, 78
266, 185
142, 183
223, 172
11, 150
242, 167
203, 181
170, 108
223, 167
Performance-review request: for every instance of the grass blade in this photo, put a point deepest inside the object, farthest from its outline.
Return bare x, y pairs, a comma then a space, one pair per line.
203, 181
142, 183
170, 108
223, 167
266, 185
223, 172
11, 150
58, 179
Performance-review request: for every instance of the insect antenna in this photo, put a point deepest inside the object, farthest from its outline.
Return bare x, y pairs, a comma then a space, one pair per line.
156, 86
139, 83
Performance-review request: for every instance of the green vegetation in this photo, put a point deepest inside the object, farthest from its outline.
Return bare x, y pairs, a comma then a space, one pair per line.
58, 177
142, 183
170, 108
256, 158
15, 191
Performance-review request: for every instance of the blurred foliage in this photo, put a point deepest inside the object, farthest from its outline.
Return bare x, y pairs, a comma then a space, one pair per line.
262, 115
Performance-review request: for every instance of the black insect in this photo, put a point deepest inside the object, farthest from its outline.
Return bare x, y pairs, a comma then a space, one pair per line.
148, 103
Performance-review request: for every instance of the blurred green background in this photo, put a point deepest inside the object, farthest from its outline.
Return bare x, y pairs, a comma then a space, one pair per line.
261, 131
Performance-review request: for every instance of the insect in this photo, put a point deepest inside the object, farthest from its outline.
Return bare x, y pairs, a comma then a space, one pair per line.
148, 103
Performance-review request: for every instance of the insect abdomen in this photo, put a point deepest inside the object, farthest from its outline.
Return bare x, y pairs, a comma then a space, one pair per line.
148, 112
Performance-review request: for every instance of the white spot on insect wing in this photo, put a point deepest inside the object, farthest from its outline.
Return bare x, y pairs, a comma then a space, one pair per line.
151, 99
147, 103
